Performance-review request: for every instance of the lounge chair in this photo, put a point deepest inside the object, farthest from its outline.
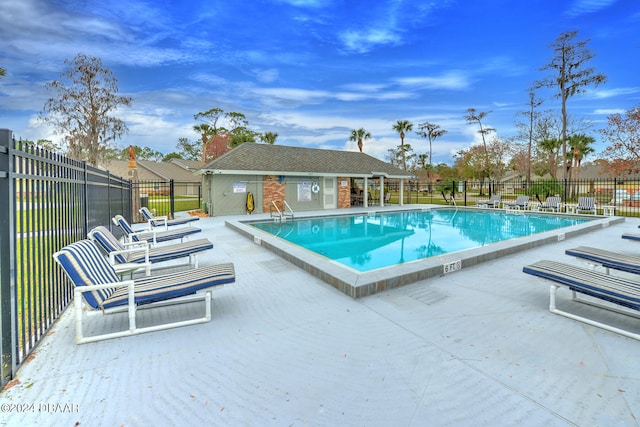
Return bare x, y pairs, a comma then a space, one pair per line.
493, 201
631, 236
586, 205
164, 221
96, 283
153, 236
613, 289
552, 203
131, 253
607, 259
522, 202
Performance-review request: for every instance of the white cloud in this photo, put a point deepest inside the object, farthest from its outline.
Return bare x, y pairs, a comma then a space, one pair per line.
581, 7
608, 111
610, 93
451, 80
364, 41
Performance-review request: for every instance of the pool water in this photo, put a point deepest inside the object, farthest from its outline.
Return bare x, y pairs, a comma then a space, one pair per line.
367, 242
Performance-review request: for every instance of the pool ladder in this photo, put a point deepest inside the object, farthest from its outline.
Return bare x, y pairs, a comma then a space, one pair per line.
280, 214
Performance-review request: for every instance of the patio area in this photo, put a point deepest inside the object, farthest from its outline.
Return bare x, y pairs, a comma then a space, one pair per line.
476, 347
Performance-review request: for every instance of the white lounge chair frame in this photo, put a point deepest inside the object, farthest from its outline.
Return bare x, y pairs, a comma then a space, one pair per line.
131, 310
594, 279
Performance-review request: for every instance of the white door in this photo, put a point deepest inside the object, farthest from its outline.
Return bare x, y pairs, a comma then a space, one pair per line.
329, 193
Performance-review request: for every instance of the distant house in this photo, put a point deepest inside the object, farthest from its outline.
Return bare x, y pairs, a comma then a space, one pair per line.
307, 178
182, 172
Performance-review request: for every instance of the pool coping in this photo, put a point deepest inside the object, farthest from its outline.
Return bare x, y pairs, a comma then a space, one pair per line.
360, 284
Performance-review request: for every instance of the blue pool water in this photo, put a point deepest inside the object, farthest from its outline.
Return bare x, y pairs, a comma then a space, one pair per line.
370, 241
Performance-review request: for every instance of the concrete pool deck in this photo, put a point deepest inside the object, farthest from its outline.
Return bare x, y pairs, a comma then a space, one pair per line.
475, 347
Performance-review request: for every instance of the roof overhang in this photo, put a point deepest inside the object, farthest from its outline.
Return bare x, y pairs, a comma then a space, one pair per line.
299, 173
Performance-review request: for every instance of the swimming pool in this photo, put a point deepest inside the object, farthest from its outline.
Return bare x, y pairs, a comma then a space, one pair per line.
441, 249
366, 242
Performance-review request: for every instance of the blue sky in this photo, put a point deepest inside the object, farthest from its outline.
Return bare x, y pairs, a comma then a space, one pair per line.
312, 70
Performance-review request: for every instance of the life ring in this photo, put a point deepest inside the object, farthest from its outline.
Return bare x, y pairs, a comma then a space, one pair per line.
315, 188
315, 229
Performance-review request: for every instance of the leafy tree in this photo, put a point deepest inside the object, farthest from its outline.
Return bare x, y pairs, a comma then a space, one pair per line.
173, 155
83, 108
45, 144
623, 132
239, 129
189, 150
569, 76
142, 153
269, 137
3, 72
402, 127
358, 136
431, 131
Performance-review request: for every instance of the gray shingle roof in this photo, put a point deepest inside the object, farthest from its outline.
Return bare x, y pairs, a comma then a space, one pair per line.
285, 160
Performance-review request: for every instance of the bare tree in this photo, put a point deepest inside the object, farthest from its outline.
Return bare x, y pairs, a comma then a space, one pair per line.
532, 115
83, 109
569, 76
472, 117
623, 132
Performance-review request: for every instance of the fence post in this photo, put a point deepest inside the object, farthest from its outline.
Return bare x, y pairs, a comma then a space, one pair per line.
7, 257
172, 206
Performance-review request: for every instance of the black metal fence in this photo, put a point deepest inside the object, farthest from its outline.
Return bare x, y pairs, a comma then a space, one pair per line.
166, 197
623, 195
47, 202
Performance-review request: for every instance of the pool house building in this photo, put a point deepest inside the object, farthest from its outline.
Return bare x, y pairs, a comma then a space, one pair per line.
306, 178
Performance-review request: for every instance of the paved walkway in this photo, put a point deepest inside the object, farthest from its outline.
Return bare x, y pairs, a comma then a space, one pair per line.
476, 347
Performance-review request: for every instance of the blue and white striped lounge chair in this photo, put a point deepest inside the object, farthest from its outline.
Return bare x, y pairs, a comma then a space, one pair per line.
606, 259
631, 236
164, 221
493, 201
618, 291
153, 236
140, 252
97, 285
586, 205
521, 202
553, 203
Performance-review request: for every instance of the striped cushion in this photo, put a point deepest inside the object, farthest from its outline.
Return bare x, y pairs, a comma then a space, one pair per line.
156, 223
614, 289
161, 236
552, 202
108, 242
629, 263
586, 204
173, 285
169, 252
85, 265
631, 236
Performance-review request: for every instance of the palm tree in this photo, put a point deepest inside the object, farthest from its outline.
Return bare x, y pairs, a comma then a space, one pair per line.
269, 137
551, 146
580, 146
359, 135
205, 132
431, 131
402, 127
